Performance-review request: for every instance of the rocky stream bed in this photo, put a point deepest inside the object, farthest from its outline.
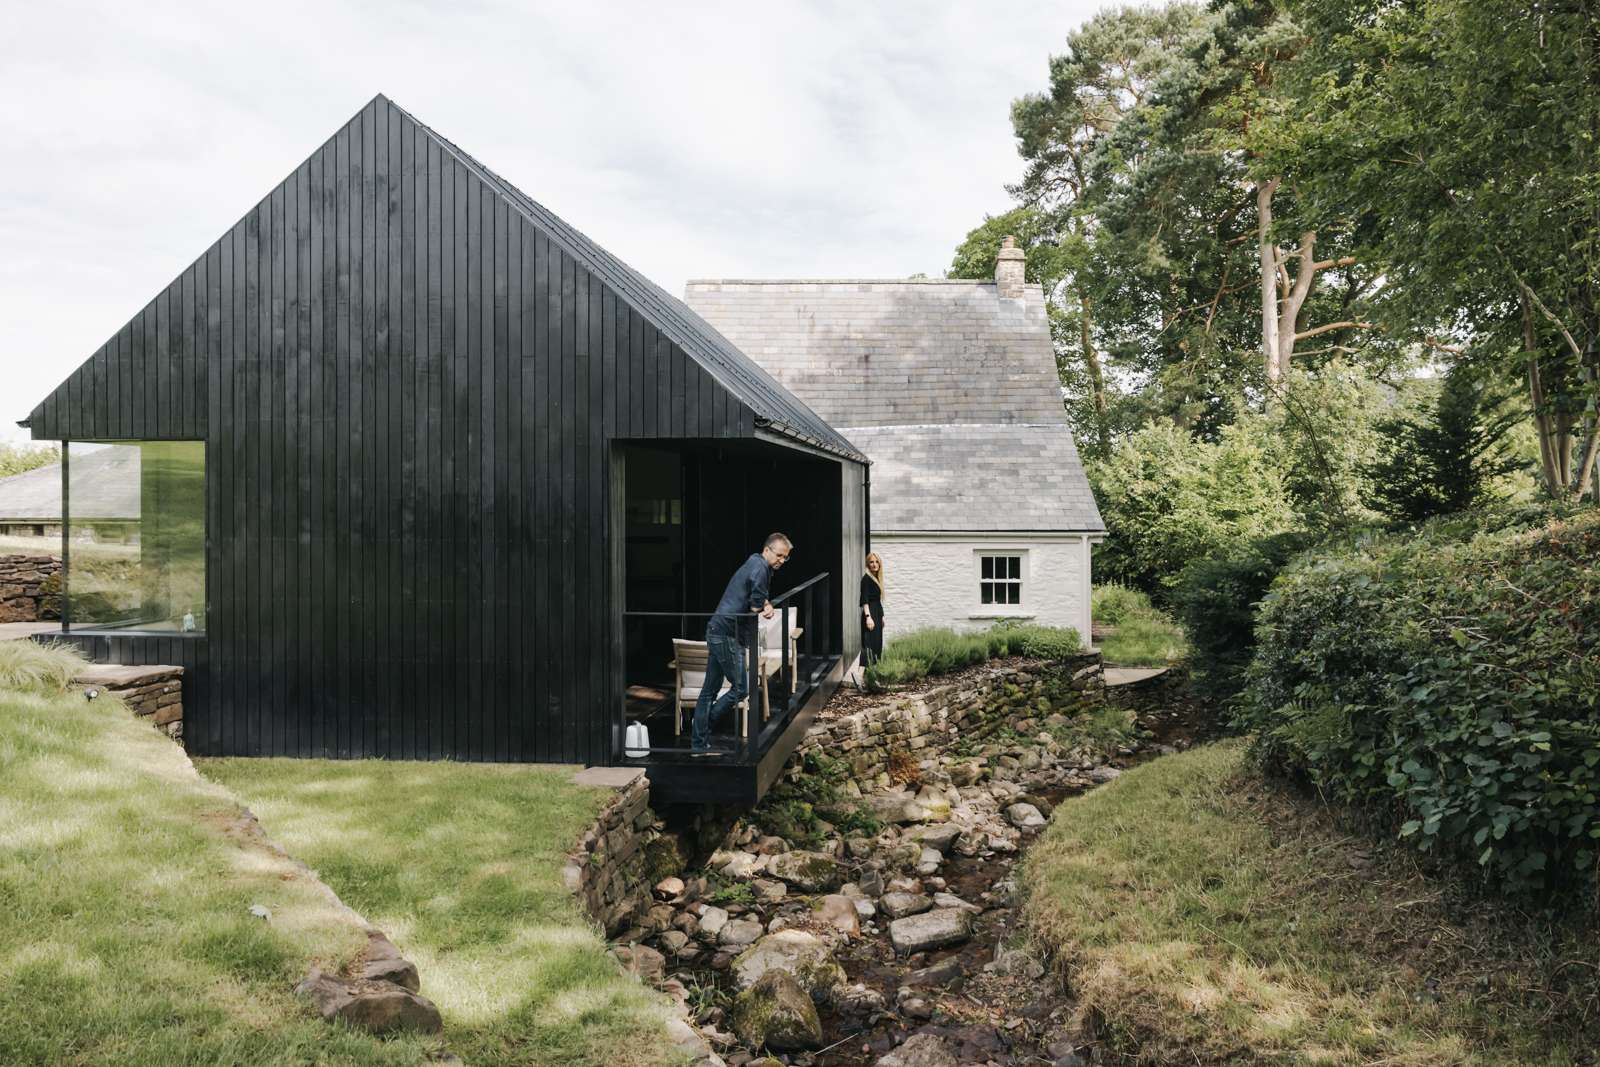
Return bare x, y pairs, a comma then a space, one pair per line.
905, 948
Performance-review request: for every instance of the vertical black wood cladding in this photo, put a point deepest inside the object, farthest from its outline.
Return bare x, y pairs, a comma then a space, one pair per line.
409, 392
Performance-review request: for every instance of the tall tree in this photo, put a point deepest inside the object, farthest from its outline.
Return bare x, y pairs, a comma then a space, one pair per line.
1462, 136
1177, 250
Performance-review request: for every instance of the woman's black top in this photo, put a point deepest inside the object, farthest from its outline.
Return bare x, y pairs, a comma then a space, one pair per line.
872, 640
872, 596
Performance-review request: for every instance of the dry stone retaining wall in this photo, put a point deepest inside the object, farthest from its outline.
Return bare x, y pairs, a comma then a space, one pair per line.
151, 692
627, 851
30, 588
611, 870
870, 740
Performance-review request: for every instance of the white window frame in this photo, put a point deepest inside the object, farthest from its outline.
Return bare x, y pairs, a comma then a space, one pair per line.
994, 610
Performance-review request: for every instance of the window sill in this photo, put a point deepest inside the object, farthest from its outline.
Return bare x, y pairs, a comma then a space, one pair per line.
1000, 615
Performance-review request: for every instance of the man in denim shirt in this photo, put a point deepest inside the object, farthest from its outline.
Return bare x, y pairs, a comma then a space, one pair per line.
730, 631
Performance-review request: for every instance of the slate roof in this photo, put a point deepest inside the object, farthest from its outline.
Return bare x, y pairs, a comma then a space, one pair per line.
105, 485
950, 389
774, 405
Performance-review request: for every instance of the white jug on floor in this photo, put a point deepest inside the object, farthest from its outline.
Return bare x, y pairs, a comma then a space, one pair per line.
636, 742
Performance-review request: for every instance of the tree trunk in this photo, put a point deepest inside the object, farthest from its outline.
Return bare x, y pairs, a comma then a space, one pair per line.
1552, 446
1269, 281
1097, 379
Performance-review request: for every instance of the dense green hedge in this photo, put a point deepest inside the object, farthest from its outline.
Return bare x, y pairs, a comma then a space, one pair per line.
1216, 601
1450, 680
940, 651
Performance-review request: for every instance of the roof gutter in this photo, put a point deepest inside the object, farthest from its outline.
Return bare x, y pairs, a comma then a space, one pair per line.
785, 430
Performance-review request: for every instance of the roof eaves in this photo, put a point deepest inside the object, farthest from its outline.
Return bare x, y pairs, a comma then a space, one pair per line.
799, 435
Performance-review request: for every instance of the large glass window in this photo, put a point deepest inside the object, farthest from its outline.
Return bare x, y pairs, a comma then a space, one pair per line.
136, 528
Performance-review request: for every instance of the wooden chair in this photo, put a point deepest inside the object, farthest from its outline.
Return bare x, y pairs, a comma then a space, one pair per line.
770, 637
690, 660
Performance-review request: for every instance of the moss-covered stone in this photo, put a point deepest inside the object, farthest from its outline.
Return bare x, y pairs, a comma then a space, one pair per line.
776, 1013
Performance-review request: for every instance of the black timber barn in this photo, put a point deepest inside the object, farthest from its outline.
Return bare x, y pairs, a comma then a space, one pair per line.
465, 476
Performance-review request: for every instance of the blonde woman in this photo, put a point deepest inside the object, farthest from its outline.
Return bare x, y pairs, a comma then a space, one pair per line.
872, 611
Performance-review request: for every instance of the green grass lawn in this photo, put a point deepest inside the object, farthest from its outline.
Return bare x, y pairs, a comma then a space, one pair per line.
125, 931
1206, 917
460, 864
1138, 634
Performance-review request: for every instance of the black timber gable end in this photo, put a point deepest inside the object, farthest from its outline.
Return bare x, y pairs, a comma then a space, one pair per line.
409, 377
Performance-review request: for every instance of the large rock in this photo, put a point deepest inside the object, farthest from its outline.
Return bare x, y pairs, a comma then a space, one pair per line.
712, 920
940, 836
810, 872
803, 955
896, 809
643, 961
931, 929
965, 773
377, 1007
921, 1050
736, 864
383, 963
738, 933
1024, 816
899, 905
777, 1013
840, 913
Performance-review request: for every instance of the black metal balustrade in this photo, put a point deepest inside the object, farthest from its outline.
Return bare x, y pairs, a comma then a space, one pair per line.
802, 664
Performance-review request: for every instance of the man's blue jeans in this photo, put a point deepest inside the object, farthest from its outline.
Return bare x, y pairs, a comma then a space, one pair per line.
725, 661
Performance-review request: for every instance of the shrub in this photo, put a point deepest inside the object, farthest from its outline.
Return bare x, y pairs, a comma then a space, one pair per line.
30, 667
1113, 604
1168, 498
1451, 685
1216, 601
937, 650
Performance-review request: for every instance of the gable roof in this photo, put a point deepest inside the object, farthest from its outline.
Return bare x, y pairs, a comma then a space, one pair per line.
772, 406
105, 485
948, 387
742, 376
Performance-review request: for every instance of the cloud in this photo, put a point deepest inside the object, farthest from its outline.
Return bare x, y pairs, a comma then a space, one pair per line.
694, 140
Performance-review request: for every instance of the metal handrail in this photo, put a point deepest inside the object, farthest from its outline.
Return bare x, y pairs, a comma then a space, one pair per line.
818, 630
781, 597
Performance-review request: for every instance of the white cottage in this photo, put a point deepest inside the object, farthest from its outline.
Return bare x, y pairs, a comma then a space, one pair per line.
979, 504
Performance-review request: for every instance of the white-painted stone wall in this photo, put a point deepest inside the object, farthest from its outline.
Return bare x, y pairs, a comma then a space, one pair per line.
933, 581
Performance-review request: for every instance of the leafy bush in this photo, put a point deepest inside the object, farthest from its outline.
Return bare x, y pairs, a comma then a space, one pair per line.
938, 650
1320, 433
1113, 604
1168, 498
1216, 601
17, 458
1450, 684
30, 667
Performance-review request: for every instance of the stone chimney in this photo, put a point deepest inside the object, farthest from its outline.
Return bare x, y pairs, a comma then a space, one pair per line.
1008, 269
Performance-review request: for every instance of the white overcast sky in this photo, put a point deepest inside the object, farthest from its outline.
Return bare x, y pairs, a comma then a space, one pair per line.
694, 140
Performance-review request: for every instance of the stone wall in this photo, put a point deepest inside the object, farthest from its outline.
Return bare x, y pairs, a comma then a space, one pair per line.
621, 857
870, 740
151, 692
628, 850
30, 588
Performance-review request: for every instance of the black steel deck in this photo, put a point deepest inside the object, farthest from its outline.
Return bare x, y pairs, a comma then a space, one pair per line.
743, 775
